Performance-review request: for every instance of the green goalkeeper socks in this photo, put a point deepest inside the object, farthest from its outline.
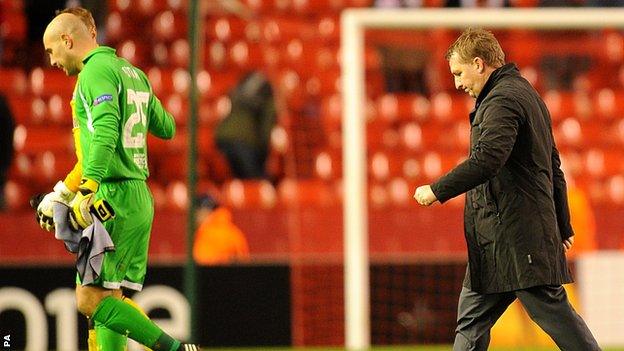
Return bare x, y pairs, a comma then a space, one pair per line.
109, 340
124, 319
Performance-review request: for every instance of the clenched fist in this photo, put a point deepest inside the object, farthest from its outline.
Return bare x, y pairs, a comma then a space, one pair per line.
424, 195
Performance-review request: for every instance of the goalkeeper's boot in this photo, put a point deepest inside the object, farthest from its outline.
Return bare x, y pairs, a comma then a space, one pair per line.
189, 347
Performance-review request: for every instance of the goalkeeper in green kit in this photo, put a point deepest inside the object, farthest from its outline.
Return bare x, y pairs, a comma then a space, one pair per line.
115, 108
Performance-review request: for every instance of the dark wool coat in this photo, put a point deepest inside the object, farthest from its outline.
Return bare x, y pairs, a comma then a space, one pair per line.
516, 213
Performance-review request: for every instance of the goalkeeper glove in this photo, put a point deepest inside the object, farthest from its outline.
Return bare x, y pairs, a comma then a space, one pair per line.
45, 208
85, 206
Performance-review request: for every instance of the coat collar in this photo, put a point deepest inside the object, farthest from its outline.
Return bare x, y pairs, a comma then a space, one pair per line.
507, 70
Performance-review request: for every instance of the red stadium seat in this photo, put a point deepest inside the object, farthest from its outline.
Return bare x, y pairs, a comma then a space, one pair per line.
47, 82
579, 134
448, 107
179, 52
160, 54
148, 8
172, 167
136, 52
300, 56
218, 168
380, 135
177, 196
568, 133
13, 81
249, 194
216, 56
400, 192
385, 166
225, 28
284, 29
17, 195
178, 80
561, 104
49, 167
21, 167
177, 105
327, 58
432, 166
331, 113
523, 47
308, 193
403, 107
329, 82
44, 168
609, 104
291, 87
118, 27
214, 84
328, 28
222, 106
378, 196
14, 26
37, 140
161, 80
20, 108
59, 110
328, 164
168, 27
412, 136
156, 146
246, 55
603, 162
615, 189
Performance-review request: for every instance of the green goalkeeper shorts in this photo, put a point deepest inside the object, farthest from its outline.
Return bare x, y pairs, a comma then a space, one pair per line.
130, 232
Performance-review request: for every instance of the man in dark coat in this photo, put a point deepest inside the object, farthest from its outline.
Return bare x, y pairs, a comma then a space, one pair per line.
516, 218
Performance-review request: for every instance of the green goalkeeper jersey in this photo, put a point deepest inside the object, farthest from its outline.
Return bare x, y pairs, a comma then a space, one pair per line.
115, 109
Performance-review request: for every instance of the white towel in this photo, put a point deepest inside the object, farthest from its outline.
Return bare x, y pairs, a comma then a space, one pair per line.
90, 244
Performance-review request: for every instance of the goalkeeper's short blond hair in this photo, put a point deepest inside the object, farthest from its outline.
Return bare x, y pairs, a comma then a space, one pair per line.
85, 16
477, 42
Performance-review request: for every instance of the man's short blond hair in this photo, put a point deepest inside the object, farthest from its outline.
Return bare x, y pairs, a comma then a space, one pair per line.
85, 16
477, 42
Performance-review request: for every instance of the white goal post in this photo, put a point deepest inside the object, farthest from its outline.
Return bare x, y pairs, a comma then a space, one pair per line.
353, 24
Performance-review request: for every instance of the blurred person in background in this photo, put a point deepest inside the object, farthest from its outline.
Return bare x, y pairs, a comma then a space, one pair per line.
114, 112
217, 239
516, 219
243, 136
7, 127
405, 70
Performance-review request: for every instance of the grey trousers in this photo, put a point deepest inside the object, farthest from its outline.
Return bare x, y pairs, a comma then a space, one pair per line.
548, 306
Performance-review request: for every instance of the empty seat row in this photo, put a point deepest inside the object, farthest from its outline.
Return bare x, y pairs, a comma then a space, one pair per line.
300, 193
40, 81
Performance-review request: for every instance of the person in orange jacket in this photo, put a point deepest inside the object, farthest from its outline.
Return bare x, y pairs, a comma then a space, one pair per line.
217, 239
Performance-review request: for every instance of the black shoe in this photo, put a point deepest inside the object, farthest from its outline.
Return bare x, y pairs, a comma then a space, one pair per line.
189, 347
